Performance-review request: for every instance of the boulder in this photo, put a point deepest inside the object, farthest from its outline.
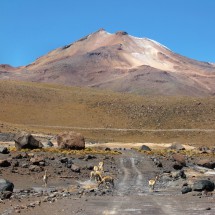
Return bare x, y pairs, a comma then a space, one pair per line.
179, 158
201, 185
6, 185
4, 150
71, 140
177, 146
206, 163
4, 163
145, 148
26, 141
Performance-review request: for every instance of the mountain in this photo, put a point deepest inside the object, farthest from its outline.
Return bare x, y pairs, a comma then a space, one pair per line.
119, 62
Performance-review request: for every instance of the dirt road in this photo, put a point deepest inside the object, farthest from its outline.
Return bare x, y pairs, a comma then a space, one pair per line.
125, 129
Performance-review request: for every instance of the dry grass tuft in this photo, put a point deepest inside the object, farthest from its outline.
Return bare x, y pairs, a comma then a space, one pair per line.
69, 152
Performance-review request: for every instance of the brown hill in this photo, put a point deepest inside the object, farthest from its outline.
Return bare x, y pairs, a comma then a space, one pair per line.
104, 115
122, 63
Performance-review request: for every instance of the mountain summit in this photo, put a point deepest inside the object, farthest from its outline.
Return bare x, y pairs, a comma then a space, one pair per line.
123, 63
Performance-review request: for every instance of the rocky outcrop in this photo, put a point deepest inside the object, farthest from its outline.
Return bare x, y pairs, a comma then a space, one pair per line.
71, 140
26, 141
121, 33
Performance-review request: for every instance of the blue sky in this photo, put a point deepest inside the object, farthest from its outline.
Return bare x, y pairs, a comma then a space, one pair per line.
31, 28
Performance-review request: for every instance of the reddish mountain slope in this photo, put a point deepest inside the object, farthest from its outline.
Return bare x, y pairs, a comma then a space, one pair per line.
122, 63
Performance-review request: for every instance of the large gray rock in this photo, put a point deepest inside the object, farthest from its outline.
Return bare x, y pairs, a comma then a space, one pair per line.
6, 185
24, 140
71, 140
201, 185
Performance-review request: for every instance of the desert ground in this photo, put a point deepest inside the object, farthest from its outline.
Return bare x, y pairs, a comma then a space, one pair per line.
115, 127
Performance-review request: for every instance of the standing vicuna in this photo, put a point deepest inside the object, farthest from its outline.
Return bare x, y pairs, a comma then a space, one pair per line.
152, 183
45, 178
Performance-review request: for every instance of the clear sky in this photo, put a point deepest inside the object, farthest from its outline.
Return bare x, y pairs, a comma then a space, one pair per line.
31, 28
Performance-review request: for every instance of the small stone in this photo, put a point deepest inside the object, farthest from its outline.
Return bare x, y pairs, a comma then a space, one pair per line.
88, 157
145, 148
37, 160
64, 160
35, 168
5, 194
186, 190
4, 163
75, 168
4, 150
